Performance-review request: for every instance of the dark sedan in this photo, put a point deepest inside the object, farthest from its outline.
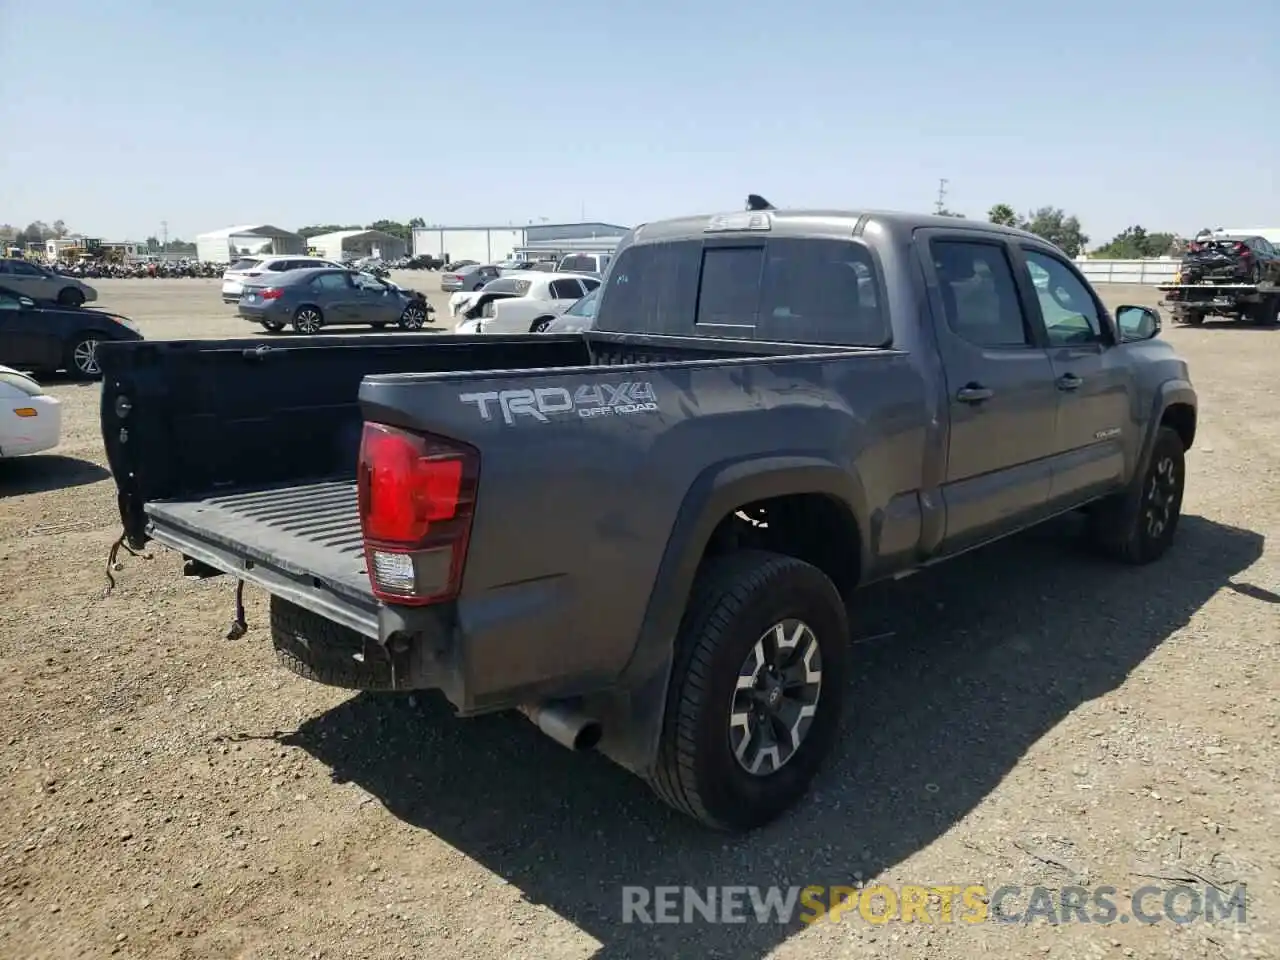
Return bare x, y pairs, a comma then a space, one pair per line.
310, 299
44, 338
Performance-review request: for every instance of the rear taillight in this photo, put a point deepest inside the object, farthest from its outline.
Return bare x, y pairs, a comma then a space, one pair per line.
1242, 249
416, 496
272, 293
1194, 248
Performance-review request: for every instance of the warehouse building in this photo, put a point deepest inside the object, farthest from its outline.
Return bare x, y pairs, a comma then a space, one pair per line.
223, 246
488, 244
355, 244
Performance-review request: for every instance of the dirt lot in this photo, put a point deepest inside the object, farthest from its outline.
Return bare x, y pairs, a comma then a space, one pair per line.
1028, 716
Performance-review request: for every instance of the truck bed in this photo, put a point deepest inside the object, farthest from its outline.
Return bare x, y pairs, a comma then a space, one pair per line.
297, 541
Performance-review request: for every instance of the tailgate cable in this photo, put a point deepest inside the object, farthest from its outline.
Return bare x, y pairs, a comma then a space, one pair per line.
114, 564
238, 626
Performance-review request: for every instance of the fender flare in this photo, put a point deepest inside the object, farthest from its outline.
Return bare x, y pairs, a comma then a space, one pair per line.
631, 739
1170, 393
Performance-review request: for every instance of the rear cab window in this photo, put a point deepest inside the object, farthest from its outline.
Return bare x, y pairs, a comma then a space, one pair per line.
787, 289
243, 265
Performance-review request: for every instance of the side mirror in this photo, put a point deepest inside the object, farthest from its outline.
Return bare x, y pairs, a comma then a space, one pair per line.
1137, 323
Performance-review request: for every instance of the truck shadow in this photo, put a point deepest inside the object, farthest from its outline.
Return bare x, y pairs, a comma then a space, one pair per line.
983, 659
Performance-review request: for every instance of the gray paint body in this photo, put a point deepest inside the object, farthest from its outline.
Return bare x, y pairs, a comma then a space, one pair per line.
589, 528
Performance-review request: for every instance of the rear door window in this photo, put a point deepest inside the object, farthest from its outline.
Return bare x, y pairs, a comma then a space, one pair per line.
329, 282
242, 266
565, 290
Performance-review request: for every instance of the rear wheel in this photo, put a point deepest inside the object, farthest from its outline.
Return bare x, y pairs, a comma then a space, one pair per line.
308, 319
540, 324
1192, 318
70, 297
755, 696
273, 326
82, 357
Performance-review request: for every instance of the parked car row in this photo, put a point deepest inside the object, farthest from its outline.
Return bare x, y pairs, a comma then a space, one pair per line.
41, 283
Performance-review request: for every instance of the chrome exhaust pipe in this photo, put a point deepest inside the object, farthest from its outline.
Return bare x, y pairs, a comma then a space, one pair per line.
565, 725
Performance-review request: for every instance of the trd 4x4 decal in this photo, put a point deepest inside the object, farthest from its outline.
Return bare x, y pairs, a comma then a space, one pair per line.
543, 403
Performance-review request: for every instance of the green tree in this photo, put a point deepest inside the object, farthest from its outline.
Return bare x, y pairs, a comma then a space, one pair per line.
944, 212
1134, 243
1054, 225
417, 222
60, 228
1003, 214
393, 227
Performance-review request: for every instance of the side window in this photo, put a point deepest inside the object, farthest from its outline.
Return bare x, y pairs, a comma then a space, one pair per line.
24, 269
979, 295
565, 290
653, 288
5, 267
729, 293
590, 283
1070, 314
329, 282
821, 291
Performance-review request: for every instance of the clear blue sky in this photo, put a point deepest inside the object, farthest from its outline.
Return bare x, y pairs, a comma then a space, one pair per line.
208, 113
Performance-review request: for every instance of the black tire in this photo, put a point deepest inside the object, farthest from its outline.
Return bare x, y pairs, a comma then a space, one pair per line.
734, 604
81, 361
70, 297
320, 650
273, 326
378, 326
414, 317
1191, 318
308, 319
1134, 526
1264, 312
540, 324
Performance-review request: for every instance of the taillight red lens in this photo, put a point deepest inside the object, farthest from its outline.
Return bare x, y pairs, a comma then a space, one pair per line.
1194, 248
416, 495
272, 293
1242, 249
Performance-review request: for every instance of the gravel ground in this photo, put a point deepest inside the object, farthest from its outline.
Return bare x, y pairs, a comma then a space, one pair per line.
1031, 716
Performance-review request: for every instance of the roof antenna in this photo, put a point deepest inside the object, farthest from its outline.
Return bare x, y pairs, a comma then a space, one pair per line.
757, 202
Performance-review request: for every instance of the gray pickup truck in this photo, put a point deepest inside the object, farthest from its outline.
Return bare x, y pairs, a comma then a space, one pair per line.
647, 536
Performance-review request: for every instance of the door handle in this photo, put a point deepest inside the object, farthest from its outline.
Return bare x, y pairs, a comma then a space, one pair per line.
974, 393
1069, 381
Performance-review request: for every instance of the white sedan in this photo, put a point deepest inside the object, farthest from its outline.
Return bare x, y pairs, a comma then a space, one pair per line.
522, 303
30, 419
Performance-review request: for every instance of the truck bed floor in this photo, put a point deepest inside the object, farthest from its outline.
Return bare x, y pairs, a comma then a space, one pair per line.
308, 533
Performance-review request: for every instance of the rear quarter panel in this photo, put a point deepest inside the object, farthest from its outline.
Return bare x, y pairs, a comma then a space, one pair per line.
576, 507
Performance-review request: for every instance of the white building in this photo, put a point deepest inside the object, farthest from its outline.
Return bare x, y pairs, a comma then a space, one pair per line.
354, 244
490, 244
223, 246
482, 244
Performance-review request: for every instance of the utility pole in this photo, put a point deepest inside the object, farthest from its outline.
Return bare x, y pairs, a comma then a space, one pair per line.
942, 195
164, 234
